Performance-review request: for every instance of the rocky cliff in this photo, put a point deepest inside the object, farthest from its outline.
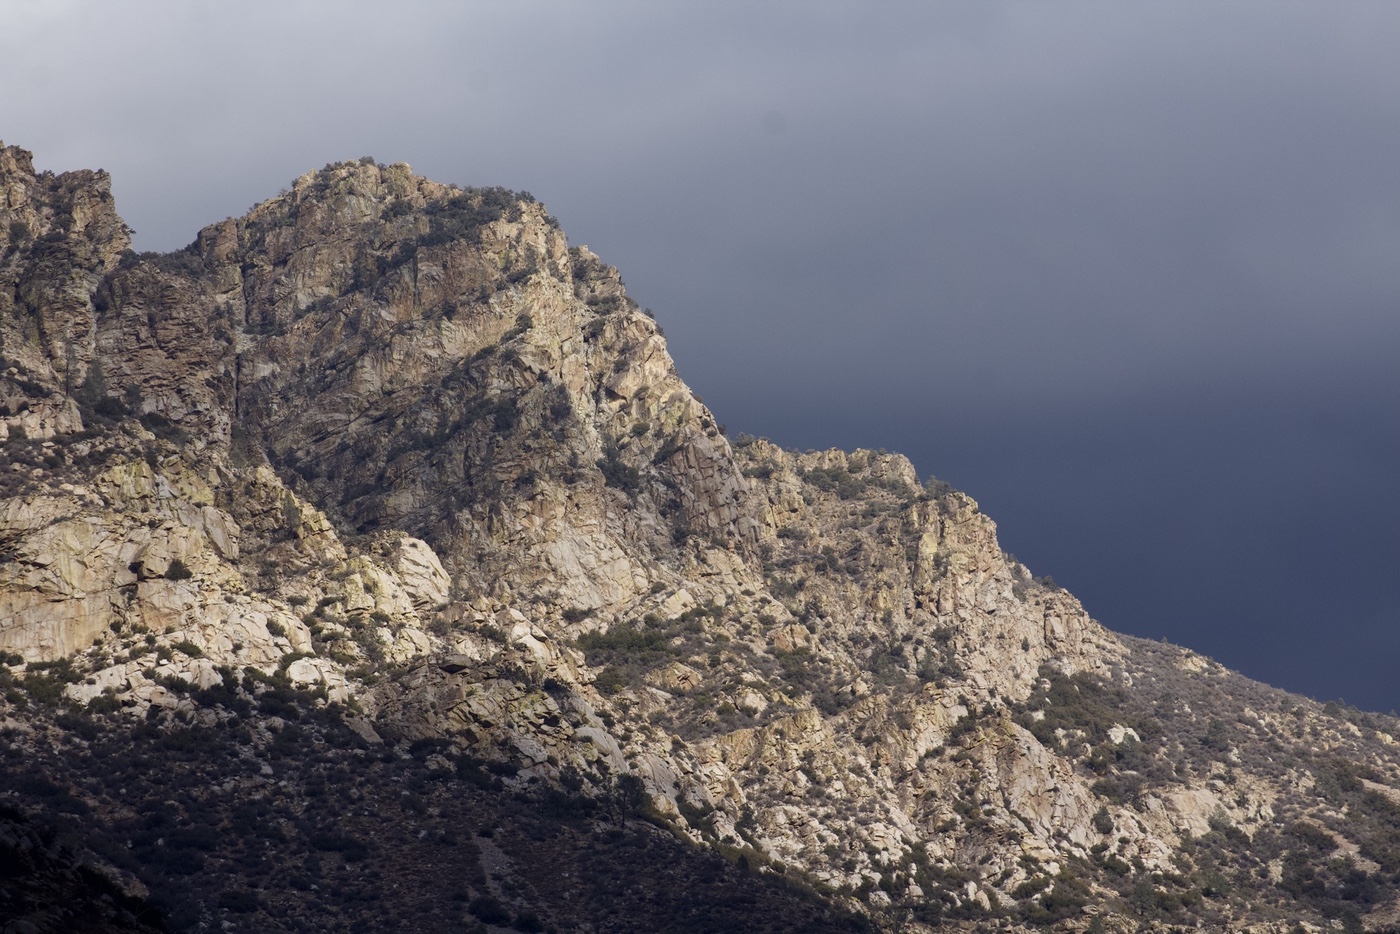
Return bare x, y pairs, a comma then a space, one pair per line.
385, 494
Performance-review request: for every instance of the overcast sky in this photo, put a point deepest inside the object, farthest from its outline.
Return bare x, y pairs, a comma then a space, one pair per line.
1125, 272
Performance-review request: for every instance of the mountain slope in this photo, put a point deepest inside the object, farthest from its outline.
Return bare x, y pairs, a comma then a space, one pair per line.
385, 484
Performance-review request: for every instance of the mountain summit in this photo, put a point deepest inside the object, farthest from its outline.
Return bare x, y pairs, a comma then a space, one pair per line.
367, 566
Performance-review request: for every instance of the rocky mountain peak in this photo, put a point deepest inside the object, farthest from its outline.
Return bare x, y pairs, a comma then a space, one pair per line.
388, 461
60, 235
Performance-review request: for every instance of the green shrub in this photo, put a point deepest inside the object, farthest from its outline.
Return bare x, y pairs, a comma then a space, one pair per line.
45, 681
189, 648
609, 681
1312, 837
617, 474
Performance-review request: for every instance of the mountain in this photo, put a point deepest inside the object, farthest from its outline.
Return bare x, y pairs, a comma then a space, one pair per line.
367, 566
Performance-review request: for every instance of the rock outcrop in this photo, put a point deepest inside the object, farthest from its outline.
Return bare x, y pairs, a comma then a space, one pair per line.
395, 450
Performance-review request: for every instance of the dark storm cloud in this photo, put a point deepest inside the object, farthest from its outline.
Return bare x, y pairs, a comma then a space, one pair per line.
1126, 272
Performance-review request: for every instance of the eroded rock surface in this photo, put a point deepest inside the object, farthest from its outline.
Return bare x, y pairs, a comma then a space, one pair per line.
398, 447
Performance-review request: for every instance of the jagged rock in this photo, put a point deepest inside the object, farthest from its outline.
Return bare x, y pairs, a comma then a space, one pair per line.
399, 447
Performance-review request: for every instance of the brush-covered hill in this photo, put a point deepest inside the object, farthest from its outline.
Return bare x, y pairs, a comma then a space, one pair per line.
366, 565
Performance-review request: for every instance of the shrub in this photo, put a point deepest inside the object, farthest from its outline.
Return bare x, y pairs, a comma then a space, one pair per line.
528, 921
189, 648
45, 681
489, 910
238, 901
1075, 702
106, 702
178, 571
609, 681
351, 848
617, 474
1313, 837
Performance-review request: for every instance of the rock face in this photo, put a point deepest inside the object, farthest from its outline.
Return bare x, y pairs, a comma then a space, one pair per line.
397, 449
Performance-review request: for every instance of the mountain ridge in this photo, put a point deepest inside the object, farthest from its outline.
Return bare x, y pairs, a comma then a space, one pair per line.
392, 452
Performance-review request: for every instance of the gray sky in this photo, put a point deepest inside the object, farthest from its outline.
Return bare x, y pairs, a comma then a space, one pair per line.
1126, 272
